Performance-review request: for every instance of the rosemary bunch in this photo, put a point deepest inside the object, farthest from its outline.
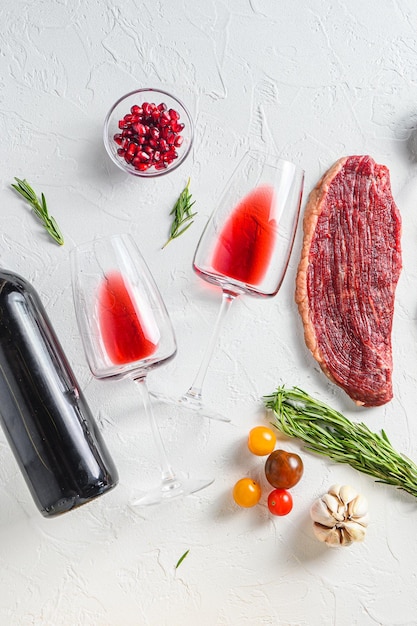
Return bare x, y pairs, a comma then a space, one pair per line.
182, 214
40, 209
327, 432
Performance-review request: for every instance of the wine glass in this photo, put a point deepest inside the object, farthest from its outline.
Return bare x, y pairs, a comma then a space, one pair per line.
246, 244
126, 332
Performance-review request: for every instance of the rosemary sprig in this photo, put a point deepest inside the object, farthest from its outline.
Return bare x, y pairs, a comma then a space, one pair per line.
327, 432
40, 209
182, 214
180, 560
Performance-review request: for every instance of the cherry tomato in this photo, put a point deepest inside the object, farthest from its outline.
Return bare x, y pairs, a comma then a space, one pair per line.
280, 502
261, 440
283, 469
246, 492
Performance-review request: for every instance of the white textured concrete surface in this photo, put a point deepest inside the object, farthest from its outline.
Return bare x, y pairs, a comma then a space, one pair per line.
316, 80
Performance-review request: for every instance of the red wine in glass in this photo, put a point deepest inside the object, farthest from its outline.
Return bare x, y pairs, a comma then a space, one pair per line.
126, 335
246, 242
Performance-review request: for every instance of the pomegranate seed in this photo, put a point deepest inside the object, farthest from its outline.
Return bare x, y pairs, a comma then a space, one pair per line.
170, 138
171, 154
120, 151
176, 127
165, 119
131, 149
156, 156
162, 106
174, 115
143, 156
164, 132
154, 132
163, 145
160, 166
135, 110
178, 141
118, 138
142, 167
139, 128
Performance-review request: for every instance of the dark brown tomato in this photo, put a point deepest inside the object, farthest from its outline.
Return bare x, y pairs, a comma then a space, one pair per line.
283, 469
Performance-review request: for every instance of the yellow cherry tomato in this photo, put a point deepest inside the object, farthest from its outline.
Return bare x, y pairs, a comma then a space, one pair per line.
261, 440
246, 492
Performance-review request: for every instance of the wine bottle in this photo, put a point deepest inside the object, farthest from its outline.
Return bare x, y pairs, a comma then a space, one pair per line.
45, 417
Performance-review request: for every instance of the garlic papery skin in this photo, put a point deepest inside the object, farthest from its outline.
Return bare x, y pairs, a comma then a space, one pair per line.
340, 517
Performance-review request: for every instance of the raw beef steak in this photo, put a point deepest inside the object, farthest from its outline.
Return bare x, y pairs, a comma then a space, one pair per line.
347, 276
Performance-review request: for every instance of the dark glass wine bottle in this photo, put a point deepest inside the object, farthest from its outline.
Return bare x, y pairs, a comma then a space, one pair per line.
44, 415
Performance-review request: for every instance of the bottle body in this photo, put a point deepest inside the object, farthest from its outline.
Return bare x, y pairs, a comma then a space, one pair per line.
44, 415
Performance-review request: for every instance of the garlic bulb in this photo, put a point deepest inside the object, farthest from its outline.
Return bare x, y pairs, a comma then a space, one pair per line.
340, 516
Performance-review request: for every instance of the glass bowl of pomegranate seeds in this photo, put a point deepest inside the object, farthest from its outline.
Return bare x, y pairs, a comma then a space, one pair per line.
148, 132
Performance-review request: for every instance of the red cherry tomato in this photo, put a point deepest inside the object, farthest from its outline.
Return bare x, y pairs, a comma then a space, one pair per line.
246, 492
261, 440
280, 502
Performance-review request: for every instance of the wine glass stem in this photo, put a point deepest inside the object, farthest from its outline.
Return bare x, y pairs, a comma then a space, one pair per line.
196, 390
168, 473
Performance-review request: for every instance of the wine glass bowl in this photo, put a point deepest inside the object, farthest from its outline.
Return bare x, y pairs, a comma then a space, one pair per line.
124, 324
126, 331
246, 245
154, 137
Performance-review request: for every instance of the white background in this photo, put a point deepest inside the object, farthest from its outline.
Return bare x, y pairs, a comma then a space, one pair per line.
314, 81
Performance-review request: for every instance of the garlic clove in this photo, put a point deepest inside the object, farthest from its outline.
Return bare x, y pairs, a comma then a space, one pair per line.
341, 512
347, 494
355, 531
320, 513
358, 507
345, 538
330, 536
336, 509
331, 502
334, 490
363, 520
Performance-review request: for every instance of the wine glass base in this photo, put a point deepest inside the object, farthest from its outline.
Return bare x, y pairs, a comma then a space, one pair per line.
191, 404
170, 489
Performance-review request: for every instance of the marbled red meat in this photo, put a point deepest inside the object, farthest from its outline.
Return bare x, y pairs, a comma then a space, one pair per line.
347, 277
